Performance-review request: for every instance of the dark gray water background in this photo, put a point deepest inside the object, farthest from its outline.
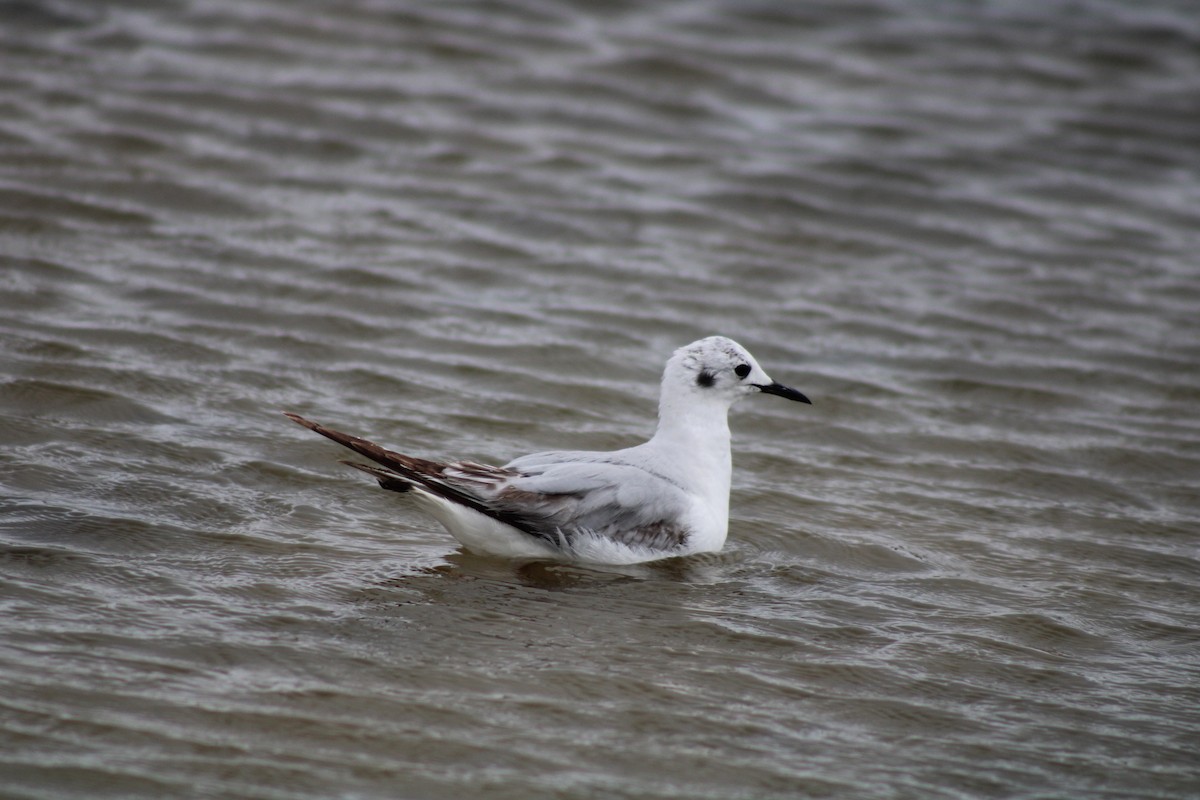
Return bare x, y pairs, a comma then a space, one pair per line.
969, 231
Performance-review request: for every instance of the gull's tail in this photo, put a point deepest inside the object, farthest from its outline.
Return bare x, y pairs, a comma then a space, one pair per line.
401, 473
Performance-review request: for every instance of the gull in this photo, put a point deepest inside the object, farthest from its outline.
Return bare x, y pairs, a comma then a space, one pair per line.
663, 498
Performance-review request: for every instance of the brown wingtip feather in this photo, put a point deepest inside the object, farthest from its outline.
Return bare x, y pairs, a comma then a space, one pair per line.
403, 473
299, 420
362, 446
419, 469
387, 480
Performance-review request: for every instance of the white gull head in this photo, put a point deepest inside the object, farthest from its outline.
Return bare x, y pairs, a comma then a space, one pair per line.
714, 371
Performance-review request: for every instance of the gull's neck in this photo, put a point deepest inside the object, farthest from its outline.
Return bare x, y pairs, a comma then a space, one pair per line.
693, 433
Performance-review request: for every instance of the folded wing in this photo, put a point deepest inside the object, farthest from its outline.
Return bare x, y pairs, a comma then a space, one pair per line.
555, 497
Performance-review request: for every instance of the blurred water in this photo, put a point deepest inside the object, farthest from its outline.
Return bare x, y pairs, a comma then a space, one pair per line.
967, 231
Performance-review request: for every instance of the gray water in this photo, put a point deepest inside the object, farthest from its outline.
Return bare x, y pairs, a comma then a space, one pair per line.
970, 232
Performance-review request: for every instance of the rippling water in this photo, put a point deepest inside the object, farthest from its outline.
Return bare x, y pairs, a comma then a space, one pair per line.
968, 231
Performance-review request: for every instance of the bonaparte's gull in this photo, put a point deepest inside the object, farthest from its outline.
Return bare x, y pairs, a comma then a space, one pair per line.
666, 497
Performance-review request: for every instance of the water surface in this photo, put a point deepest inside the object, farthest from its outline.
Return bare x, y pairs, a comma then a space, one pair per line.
969, 233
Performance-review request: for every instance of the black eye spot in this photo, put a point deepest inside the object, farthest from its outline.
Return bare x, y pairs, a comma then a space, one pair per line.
742, 370
705, 378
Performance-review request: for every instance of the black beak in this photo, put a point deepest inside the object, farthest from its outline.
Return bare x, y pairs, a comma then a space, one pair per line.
784, 391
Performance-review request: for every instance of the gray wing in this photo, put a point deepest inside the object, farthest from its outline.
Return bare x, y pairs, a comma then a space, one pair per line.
555, 496
615, 501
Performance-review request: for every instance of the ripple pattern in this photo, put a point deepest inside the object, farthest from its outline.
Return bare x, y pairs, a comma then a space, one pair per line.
477, 230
